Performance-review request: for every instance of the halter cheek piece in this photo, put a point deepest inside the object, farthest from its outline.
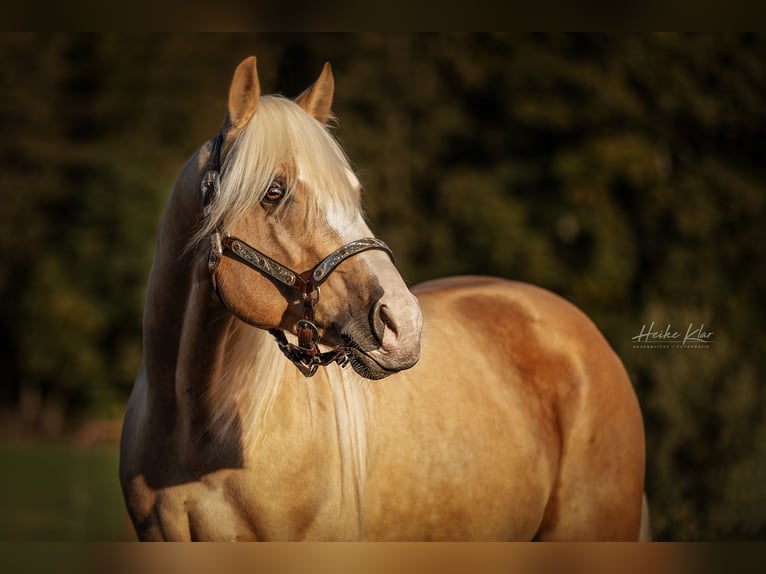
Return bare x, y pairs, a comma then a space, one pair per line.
306, 354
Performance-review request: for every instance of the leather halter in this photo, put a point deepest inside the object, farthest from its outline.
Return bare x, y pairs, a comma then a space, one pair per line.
306, 355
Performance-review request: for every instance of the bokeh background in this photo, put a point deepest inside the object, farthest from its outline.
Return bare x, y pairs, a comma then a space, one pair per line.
624, 172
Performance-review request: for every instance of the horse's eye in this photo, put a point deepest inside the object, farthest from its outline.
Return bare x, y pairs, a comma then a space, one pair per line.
275, 192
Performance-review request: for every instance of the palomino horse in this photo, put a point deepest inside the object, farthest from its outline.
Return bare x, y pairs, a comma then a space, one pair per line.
276, 403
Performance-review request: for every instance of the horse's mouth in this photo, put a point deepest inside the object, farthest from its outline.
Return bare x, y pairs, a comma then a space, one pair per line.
363, 363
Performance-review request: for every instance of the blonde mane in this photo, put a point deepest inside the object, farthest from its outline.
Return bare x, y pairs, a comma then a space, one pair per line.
281, 141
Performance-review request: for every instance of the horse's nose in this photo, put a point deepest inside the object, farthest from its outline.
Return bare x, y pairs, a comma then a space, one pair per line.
396, 324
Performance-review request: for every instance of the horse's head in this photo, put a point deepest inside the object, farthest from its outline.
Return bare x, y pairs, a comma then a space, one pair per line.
288, 195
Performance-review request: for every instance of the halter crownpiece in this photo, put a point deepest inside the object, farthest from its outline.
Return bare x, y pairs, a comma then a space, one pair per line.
306, 355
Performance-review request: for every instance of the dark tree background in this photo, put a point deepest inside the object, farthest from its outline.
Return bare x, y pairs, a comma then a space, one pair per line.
625, 172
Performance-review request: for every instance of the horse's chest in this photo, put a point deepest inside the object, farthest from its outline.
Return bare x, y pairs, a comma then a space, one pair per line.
417, 481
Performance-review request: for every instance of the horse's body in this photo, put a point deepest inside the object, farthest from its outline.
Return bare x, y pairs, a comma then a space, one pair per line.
517, 422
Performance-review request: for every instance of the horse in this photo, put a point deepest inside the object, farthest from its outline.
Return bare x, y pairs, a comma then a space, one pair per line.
293, 387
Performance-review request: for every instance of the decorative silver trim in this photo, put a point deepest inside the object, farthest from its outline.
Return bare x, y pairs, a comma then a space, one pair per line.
329, 263
265, 264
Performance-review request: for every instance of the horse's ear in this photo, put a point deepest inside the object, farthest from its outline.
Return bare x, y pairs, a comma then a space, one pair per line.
244, 93
317, 99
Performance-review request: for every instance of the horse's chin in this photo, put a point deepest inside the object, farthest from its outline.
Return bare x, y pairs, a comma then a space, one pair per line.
377, 364
368, 367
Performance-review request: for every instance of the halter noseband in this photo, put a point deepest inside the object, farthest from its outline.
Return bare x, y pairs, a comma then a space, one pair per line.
306, 354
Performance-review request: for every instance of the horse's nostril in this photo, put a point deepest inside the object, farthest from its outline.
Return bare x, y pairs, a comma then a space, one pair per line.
380, 320
385, 317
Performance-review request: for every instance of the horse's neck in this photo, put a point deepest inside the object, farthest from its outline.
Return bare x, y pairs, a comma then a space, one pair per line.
186, 328
209, 377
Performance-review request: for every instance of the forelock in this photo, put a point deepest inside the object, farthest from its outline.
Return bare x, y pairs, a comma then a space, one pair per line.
281, 140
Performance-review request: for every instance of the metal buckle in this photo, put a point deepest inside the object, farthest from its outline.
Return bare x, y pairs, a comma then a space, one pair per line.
308, 335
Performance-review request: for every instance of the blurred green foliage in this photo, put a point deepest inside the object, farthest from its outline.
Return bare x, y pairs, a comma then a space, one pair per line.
625, 172
61, 493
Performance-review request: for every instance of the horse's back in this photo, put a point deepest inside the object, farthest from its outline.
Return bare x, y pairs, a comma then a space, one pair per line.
559, 377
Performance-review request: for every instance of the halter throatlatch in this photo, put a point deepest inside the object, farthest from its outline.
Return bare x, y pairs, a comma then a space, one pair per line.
306, 355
